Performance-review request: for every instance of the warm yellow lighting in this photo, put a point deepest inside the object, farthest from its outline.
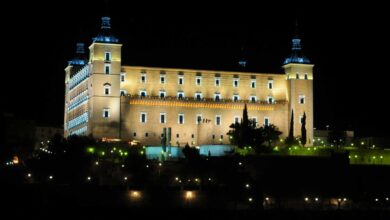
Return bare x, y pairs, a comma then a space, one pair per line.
15, 160
316, 199
306, 199
247, 185
250, 199
89, 178
165, 103
134, 194
266, 198
189, 195
28, 175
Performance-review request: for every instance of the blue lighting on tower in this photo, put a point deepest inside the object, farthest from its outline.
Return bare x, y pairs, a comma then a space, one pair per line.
296, 53
105, 35
79, 59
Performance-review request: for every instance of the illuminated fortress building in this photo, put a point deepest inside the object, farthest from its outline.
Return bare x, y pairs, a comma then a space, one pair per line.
106, 99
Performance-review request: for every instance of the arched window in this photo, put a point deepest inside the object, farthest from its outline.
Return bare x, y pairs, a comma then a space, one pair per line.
107, 89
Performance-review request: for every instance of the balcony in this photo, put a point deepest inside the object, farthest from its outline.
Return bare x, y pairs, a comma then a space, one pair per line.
173, 101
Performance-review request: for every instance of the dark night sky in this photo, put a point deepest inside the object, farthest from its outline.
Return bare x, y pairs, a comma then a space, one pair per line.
347, 44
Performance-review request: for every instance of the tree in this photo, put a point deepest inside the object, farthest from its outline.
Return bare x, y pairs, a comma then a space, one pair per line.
191, 153
303, 130
270, 134
245, 133
290, 140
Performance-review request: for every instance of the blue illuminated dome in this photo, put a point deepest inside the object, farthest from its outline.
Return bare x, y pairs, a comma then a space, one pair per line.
105, 35
79, 59
296, 53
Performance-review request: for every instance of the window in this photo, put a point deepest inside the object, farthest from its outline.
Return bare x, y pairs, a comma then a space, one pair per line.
192, 136
180, 95
162, 94
106, 113
236, 119
123, 92
143, 93
198, 96
180, 80
266, 121
213, 136
270, 100
300, 119
253, 83
163, 118
177, 135
297, 76
107, 89
253, 98
134, 134
217, 120
217, 97
305, 76
146, 134
270, 84
235, 82
162, 79
217, 81
107, 56
123, 77
198, 119
143, 117
301, 99
143, 78
198, 80
221, 136
254, 120
180, 119
236, 98
107, 69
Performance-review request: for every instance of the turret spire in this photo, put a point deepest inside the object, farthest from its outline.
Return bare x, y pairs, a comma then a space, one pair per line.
296, 50
79, 58
105, 35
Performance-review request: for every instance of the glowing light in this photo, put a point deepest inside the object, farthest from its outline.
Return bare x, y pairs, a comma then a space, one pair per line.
147, 166
177, 178
28, 175
189, 195
362, 143
91, 150
387, 198
239, 163
196, 180
306, 199
89, 178
196, 104
160, 164
123, 166
250, 199
125, 178
345, 199
316, 199
339, 199
247, 185
356, 156
15, 160
209, 179
381, 156
50, 177
135, 194
97, 163
102, 153
376, 199
267, 198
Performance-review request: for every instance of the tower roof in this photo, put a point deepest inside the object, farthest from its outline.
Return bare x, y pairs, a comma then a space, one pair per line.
79, 59
105, 35
296, 51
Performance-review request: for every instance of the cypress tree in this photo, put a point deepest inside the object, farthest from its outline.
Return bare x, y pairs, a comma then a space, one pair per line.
303, 130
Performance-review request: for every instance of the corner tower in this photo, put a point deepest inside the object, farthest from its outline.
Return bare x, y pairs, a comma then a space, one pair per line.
299, 76
105, 69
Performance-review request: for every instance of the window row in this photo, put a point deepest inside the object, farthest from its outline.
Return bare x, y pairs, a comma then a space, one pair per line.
198, 81
198, 119
199, 96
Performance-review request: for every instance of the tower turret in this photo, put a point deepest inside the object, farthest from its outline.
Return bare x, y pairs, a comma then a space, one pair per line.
299, 74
